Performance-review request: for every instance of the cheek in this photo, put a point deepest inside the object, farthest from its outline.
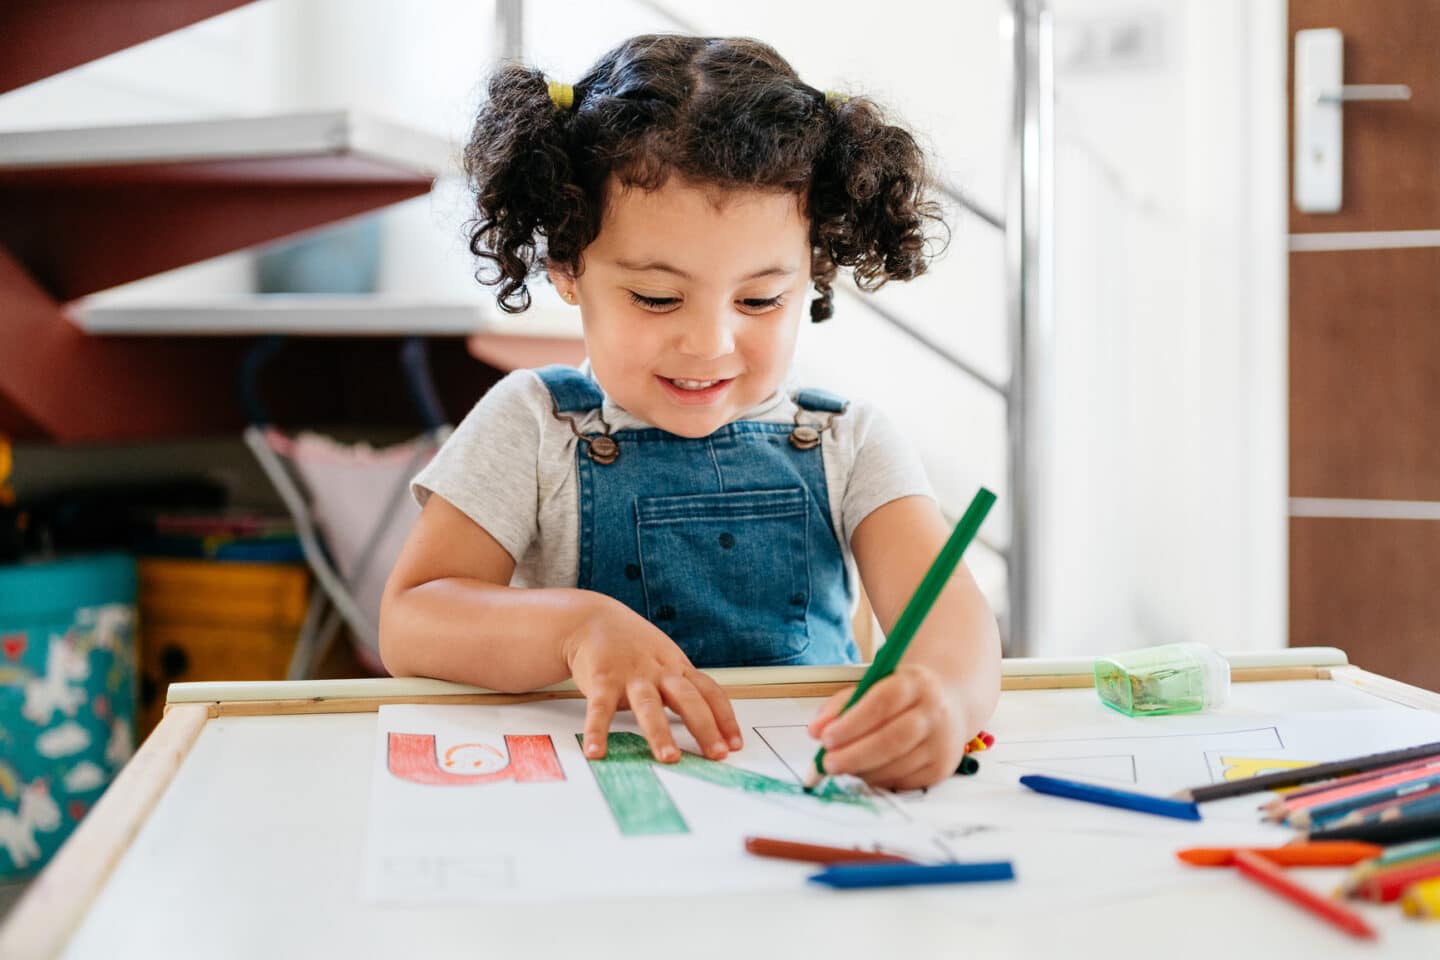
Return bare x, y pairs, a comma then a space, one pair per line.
771, 347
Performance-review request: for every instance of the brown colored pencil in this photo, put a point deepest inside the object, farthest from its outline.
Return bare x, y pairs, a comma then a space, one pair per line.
815, 852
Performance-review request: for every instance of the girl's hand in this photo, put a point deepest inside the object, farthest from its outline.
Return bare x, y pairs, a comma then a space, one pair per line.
619, 659
902, 735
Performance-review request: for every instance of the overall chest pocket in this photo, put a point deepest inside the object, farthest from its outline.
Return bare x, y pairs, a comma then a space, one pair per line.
727, 575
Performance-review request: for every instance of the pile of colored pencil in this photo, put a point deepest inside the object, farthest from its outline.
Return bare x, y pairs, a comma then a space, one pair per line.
1383, 795
1409, 872
1389, 800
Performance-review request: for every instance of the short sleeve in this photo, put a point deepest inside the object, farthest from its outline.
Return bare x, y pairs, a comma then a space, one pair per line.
886, 468
488, 467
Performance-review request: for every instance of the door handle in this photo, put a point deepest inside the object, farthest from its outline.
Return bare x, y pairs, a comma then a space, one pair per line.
1320, 96
1365, 91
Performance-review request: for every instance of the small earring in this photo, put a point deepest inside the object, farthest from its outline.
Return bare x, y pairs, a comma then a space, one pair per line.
569, 296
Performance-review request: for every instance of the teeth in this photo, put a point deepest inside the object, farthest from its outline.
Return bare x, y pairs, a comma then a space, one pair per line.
693, 384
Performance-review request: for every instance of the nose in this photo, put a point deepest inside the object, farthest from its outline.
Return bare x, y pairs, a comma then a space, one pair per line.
707, 336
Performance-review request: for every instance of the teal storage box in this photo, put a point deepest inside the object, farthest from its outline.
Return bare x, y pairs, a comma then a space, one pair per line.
67, 698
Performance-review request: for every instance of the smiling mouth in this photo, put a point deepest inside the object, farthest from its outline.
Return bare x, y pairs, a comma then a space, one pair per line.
684, 384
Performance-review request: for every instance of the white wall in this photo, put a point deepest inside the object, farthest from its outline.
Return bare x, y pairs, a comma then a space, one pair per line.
1169, 451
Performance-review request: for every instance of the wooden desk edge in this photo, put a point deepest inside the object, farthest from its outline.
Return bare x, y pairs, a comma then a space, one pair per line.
290, 706
53, 904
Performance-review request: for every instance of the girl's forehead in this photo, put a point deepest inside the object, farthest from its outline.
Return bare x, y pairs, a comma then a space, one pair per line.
707, 222
678, 198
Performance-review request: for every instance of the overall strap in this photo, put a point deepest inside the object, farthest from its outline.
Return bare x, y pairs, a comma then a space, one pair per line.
571, 390
820, 401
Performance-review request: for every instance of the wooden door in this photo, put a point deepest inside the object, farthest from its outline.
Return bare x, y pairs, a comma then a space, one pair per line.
1365, 357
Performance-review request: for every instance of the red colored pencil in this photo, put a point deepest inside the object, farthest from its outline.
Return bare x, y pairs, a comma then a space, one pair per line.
1265, 873
1386, 886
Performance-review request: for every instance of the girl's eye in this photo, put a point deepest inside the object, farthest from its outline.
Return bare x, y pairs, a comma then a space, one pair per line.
653, 303
767, 303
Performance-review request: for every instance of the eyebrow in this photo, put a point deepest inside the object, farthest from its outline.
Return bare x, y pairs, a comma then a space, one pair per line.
778, 270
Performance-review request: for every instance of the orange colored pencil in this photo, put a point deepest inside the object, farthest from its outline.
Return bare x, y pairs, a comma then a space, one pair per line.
1265, 873
1322, 853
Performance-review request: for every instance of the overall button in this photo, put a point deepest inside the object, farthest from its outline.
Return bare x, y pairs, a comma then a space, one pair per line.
665, 612
632, 571
798, 599
727, 540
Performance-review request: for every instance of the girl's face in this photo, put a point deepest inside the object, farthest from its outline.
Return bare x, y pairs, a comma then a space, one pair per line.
691, 299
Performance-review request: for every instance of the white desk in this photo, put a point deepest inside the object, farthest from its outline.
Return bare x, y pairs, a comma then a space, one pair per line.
254, 848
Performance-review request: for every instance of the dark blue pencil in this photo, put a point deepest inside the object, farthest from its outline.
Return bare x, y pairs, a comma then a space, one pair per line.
854, 876
1140, 802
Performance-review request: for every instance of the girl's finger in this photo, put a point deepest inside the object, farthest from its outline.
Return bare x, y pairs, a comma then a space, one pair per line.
649, 712
720, 708
898, 770
893, 739
929, 774
830, 710
682, 697
887, 699
599, 711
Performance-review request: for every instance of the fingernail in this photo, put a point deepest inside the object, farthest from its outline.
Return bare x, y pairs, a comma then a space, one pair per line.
828, 737
592, 749
669, 754
718, 751
736, 743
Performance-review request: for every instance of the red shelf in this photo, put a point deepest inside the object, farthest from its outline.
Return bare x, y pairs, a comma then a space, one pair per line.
89, 209
44, 37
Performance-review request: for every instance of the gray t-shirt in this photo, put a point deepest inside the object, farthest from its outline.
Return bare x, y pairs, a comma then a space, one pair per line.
510, 467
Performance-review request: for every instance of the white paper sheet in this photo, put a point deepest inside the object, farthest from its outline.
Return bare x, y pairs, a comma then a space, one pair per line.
551, 834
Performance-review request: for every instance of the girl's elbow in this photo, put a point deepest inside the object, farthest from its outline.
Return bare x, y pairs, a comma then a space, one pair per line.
393, 645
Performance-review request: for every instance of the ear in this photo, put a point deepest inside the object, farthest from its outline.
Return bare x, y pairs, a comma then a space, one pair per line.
562, 279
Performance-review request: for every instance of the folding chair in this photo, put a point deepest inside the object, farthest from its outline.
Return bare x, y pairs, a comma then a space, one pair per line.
350, 504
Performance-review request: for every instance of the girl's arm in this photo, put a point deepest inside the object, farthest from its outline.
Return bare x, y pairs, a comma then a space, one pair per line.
910, 729
449, 612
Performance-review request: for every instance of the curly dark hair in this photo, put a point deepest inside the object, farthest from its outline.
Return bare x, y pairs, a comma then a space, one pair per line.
724, 111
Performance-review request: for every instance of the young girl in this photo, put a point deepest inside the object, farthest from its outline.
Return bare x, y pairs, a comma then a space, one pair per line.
675, 503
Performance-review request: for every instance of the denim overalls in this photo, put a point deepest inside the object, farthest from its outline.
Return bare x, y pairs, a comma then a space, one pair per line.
724, 542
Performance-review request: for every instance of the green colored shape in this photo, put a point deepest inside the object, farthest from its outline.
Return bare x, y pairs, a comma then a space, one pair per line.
642, 806
637, 798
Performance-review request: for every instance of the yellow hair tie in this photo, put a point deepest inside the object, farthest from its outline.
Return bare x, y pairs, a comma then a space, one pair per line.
562, 94
833, 99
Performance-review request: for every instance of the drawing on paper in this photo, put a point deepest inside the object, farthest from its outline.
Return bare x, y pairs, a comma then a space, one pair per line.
531, 759
1241, 768
1136, 760
643, 807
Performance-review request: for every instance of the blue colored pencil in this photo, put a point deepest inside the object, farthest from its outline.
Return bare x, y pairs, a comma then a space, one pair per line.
1428, 802
1140, 802
856, 876
1340, 811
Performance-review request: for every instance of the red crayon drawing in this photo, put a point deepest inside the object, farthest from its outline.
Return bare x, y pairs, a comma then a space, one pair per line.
412, 757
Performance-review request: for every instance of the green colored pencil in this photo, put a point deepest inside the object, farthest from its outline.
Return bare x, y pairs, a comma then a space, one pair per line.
887, 658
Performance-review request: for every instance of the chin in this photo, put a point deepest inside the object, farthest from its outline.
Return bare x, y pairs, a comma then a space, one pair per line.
692, 429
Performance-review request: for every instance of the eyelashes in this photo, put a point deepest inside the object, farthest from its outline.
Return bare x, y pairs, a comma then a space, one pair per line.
665, 304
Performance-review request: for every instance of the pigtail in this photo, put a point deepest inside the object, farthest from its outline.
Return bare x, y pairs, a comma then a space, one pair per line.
522, 176
868, 209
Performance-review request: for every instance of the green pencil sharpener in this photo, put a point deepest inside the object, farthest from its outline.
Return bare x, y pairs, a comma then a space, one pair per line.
1153, 681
